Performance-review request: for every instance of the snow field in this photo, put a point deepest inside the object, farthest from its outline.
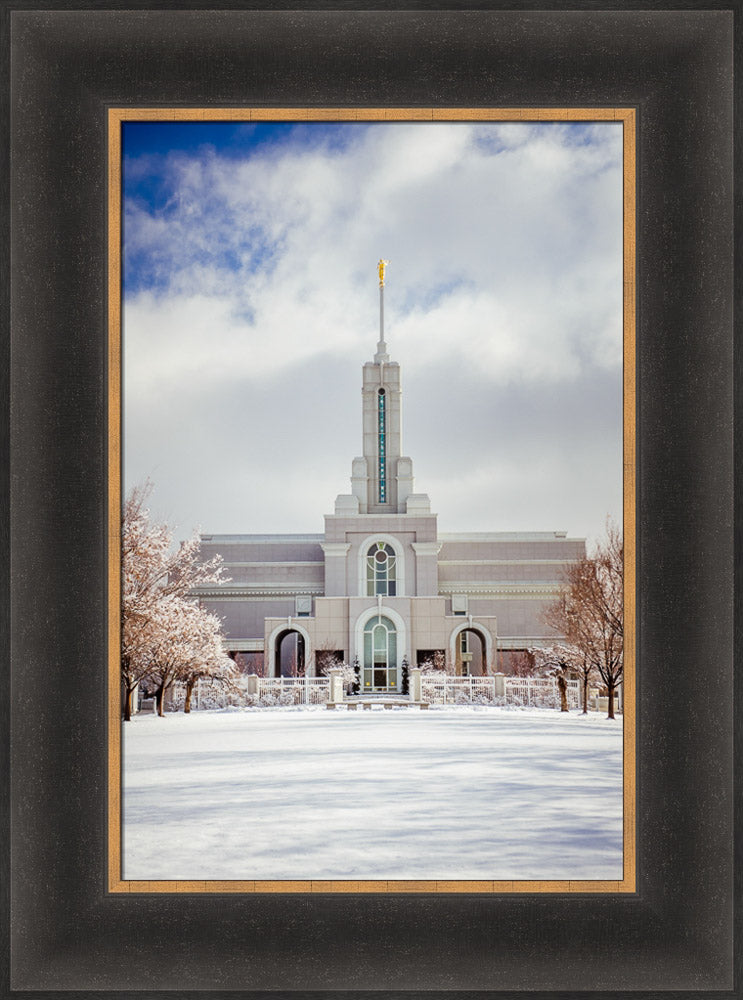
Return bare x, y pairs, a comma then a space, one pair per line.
449, 793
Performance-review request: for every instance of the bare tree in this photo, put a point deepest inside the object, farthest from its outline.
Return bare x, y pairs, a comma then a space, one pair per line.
255, 664
586, 672
590, 611
325, 657
439, 662
522, 663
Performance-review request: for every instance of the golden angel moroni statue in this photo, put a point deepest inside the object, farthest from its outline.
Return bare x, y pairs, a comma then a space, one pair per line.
382, 265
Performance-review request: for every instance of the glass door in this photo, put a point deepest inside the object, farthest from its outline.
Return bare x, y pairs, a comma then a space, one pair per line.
380, 657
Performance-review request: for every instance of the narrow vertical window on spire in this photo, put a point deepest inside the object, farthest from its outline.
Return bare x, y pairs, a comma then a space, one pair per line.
381, 436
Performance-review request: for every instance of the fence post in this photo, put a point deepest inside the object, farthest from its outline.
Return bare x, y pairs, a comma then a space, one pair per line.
415, 684
499, 684
252, 684
336, 686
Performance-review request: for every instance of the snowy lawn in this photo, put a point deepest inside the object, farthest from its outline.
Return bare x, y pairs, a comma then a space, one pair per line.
455, 793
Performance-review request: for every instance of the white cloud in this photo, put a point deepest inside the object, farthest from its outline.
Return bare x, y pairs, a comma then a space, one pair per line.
505, 249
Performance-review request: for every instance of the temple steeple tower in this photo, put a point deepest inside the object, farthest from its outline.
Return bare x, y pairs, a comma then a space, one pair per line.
382, 478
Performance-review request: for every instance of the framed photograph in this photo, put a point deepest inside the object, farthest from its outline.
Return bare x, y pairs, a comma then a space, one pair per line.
81, 922
238, 286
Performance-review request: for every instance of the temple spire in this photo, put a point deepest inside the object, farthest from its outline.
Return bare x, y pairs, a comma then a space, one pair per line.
381, 356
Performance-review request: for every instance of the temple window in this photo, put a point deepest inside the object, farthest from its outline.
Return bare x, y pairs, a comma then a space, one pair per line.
381, 570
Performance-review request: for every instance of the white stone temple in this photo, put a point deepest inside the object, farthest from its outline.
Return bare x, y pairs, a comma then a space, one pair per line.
380, 587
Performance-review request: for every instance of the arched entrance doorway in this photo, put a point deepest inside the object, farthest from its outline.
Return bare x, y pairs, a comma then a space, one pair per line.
289, 654
380, 672
470, 652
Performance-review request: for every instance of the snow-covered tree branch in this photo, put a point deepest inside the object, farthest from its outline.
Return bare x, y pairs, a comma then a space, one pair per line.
163, 630
349, 675
563, 662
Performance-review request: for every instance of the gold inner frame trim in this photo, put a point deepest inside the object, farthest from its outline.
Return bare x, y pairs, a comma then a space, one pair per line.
626, 115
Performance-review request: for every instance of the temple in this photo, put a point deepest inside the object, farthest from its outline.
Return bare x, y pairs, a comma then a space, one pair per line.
380, 587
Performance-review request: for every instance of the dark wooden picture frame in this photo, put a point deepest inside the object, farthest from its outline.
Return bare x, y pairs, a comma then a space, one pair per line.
626, 119
68, 933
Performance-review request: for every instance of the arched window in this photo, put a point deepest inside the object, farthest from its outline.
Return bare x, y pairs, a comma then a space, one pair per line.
381, 570
380, 655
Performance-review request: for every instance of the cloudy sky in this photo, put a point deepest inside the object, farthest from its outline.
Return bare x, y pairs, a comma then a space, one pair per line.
251, 302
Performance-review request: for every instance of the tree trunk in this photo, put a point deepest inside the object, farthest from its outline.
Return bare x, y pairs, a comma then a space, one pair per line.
189, 691
611, 701
159, 698
562, 685
585, 694
128, 692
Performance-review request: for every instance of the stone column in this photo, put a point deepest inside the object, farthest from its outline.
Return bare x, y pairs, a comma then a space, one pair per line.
500, 684
252, 684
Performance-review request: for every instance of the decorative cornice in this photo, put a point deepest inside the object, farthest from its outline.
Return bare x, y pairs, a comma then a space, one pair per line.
505, 562
475, 589
426, 548
243, 645
255, 592
336, 548
508, 536
258, 539
524, 641
273, 563
400, 516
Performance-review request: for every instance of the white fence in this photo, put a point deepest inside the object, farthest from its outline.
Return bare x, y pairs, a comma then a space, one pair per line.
251, 691
540, 692
534, 692
207, 694
437, 689
292, 690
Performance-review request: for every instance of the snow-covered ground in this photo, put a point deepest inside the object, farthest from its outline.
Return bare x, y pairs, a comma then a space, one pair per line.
455, 793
